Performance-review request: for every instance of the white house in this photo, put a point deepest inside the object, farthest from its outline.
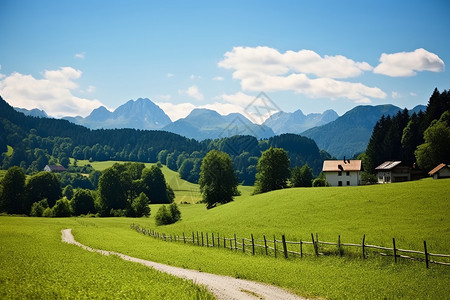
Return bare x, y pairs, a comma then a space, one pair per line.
393, 171
441, 171
342, 172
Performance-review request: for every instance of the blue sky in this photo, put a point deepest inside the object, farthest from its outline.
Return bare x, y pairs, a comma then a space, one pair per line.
69, 57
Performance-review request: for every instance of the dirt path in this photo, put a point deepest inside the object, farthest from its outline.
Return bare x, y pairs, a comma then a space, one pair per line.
223, 287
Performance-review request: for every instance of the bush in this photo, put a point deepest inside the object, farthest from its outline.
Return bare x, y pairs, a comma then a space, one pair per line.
62, 208
166, 216
320, 182
37, 209
48, 212
82, 202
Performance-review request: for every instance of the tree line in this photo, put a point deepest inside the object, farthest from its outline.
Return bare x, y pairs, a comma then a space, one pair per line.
421, 139
123, 190
40, 141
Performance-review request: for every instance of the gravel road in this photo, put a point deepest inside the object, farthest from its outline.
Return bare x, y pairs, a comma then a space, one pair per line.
223, 287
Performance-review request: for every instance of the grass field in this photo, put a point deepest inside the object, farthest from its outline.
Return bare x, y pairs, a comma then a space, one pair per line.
35, 264
411, 212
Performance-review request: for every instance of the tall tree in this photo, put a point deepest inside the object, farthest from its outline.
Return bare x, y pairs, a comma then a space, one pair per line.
82, 202
112, 193
12, 198
273, 170
155, 186
302, 177
218, 183
44, 185
435, 150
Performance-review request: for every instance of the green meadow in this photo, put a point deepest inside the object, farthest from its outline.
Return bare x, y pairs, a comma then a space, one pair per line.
32, 254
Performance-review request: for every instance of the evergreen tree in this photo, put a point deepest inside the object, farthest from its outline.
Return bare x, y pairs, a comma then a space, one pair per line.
155, 186
302, 177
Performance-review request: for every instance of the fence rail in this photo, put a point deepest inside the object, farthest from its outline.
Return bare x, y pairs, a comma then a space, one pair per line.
268, 246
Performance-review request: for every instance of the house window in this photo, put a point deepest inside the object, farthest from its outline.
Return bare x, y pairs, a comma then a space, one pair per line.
348, 182
339, 183
340, 173
348, 173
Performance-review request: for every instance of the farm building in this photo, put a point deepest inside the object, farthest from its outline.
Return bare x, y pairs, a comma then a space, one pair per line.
393, 171
54, 168
342, 172
441, 171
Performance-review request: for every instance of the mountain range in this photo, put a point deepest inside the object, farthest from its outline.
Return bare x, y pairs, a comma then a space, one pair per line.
340, 136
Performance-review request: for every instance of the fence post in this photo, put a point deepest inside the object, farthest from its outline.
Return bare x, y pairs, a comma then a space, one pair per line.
202, 238
243, 245
218, 240
301, 248
193, 238
231, 244
235, 242
275, 246
207, 240
363, 247
184, 238
339, 245
426, 253
283, 238
212, 238
265, 244
253, 245
224, 242
395, 250
314, 245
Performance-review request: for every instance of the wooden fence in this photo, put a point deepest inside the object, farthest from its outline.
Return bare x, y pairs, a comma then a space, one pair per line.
299, 248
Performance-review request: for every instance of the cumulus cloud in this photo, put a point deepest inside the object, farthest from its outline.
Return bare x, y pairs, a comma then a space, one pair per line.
404, 64
266, 69
170, 75
193, 92
176, 111
218, 78
52, 93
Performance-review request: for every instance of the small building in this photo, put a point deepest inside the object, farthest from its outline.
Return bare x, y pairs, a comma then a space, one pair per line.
54, 168
393, 171
342, 172
441, 171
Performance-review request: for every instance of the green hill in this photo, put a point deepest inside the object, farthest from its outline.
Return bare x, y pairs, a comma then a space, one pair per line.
411, 212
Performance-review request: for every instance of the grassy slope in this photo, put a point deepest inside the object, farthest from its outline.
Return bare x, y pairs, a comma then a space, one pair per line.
34, 263
410, 211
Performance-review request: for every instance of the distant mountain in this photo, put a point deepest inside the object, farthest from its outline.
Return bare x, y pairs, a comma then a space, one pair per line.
33, 112
139, 114
349, 134
203, 124
297, 122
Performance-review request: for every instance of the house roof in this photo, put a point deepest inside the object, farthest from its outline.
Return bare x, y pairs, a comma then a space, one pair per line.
341, 165
437, 169
388, 165
55, 168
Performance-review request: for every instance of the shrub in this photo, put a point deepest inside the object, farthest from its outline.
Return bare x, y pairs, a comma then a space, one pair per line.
62, 208
166, 216
37, 209
140, 206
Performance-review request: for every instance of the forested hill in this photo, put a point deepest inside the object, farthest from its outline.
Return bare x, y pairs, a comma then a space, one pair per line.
39, 141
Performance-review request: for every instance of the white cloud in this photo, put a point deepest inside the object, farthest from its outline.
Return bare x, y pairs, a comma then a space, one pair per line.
404, 64
170, 75
176, 111
270, 61
266, 69
81, 55
193, 92
193, 77
395, 95
413, 94
52, 93
218, 78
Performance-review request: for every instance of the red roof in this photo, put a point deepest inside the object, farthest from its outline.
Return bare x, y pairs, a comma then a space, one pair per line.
341, 165
437, 169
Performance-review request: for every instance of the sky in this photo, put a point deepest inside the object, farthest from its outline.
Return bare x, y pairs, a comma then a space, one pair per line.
252, 57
